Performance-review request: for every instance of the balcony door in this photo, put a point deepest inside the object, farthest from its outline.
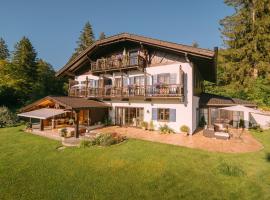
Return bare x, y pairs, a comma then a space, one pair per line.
129, 116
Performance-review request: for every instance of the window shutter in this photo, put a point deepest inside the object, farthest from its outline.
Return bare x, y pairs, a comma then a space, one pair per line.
172, 115
154, 78
173, 78
154, 114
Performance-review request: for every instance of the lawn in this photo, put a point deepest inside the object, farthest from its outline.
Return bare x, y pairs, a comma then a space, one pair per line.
31, 167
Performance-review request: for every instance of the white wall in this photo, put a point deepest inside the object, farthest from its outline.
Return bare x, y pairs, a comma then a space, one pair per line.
185, 111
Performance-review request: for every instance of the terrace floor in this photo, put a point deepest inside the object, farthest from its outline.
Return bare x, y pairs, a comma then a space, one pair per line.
247, 143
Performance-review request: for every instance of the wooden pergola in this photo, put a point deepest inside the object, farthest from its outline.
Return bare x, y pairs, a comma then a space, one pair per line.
55, 105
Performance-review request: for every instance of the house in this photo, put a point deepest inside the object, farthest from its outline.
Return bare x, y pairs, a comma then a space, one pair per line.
129, 79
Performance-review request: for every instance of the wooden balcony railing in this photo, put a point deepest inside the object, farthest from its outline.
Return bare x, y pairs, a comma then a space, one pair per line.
170, 90
109, 64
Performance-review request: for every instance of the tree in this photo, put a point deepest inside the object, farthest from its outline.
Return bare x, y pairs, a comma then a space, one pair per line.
243, 65
195, 44
23, 70
4, 52
46, 83
85, 40
102, 36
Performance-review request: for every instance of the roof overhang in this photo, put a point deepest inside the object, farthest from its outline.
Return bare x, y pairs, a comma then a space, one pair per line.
206, 55
43, 113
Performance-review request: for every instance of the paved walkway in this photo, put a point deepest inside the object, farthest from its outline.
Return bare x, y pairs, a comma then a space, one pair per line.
247, 143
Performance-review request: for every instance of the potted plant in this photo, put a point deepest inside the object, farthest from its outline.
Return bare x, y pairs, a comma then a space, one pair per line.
144, 125
151, 126
185, 129
63, 133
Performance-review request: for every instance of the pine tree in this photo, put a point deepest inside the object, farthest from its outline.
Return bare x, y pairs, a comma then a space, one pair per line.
246, 35
24, 58
102, 36
243, 66
4, 52
85, 40
24, 70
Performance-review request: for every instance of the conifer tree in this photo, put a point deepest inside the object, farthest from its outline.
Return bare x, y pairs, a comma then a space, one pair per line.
102, 36
85, 40
4, 52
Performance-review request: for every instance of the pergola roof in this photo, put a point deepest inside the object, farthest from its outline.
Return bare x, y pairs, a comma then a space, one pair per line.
43, 113
67, 102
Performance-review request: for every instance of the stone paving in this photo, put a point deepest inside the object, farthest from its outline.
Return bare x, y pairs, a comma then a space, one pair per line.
247, 143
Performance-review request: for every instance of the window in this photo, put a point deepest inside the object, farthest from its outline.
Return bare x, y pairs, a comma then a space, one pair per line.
163, 78
163, 114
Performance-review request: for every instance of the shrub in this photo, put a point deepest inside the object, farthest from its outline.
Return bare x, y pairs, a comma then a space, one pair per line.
184, 129
165, 129
242, 123
7, 118
63, 132
144, 124
107, 121
87, 143
151, 126
103, 139
202, 122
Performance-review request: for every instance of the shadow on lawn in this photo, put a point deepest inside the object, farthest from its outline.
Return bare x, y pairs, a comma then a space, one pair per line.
267, 157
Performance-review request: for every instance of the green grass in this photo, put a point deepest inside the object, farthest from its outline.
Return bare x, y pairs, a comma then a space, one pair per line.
31, 167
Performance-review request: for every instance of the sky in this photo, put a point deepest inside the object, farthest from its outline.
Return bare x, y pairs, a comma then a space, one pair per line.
54, 26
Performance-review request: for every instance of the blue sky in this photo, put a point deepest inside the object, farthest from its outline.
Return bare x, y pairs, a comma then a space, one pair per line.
54, 26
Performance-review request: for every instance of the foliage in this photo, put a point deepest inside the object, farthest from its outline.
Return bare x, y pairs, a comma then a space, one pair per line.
86, 143
165, 129
102, 36
185, 129
243, 66
151, 126
85, 40
63, 132
242, 123
26, 78
4, 52
107, 139
7, 118
107, 121
202, 122
144, 124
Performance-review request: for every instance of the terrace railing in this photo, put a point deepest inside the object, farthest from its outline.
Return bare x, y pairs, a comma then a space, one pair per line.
168, 90
124, 62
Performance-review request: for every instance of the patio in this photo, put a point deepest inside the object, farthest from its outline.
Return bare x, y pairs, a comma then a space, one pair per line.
234, 145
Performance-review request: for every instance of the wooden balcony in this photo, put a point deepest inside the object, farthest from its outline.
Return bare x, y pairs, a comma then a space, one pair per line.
131, 91
116, 64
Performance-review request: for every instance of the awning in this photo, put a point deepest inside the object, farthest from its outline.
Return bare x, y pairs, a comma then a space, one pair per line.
43, 113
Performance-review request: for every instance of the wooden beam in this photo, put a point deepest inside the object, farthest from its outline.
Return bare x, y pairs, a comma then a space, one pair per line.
77, 113
41, 128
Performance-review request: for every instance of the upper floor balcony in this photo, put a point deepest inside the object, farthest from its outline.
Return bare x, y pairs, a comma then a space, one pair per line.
130, 91
117, 63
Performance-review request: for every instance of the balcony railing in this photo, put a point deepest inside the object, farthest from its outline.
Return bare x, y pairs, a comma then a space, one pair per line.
170, 90
109, 64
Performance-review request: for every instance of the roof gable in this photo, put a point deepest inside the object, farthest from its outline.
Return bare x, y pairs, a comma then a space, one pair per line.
198, 53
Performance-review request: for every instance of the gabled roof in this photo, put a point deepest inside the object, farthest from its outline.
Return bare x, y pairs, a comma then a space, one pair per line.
207, 99
68, 103
82, 57
43, 113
